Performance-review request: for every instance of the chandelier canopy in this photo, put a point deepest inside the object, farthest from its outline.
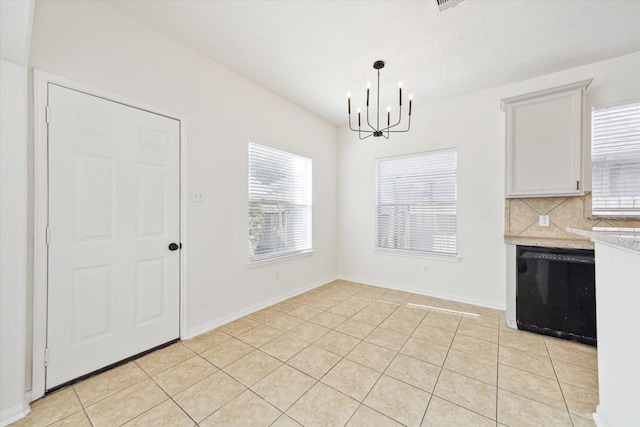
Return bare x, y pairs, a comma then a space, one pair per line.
376, 130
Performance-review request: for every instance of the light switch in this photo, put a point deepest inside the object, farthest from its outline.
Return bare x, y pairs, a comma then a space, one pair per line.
197, 196
544, 220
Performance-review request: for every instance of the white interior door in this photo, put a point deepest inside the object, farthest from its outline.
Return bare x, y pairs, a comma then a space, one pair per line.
113, 286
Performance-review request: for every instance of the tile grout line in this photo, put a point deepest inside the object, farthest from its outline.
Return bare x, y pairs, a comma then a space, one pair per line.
464, 375
547, 378
387, 367
361, 340
172, 397
304, 373
442, 369
426, 409
319, 379
564, 399
84, 410
197, 354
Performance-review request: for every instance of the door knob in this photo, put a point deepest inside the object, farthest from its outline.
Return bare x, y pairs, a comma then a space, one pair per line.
173, 246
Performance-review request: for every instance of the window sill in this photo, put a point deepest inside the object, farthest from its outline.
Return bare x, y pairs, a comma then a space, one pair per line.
407, 254
613, 218
280, 258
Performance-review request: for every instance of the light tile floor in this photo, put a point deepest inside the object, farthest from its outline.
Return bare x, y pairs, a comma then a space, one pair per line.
344, 354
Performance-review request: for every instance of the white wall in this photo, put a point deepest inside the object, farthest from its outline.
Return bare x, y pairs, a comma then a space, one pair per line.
13, 241
93, 43
475, 126
16, 18
15, 36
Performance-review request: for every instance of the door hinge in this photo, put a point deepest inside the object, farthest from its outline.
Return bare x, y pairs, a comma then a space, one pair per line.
46, 356
47, 114
48, 235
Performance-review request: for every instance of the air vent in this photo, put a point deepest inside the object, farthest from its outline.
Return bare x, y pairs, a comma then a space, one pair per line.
447, 4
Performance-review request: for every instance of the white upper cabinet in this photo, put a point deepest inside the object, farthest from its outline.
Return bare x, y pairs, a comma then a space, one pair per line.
544, 142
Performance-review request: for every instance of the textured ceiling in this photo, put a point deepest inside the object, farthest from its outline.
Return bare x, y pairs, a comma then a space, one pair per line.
314, 52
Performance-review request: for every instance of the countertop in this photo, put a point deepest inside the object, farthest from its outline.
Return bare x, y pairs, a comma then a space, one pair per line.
549, 242
626, 238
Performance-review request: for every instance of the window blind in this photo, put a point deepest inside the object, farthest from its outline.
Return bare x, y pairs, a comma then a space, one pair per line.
279, 203
416, 202
615, 160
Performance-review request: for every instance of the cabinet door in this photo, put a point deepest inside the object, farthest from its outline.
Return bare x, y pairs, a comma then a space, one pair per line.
544, 142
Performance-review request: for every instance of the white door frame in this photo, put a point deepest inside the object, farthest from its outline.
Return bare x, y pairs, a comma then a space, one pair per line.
41, 80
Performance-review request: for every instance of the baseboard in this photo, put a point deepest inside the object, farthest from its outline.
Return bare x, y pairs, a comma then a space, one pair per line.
599, 419
216, 323
15, 413
397, 287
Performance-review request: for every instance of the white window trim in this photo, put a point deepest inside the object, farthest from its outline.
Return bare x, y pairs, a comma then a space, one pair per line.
276, 257
280, 258
607, 215
415, 254
410, 253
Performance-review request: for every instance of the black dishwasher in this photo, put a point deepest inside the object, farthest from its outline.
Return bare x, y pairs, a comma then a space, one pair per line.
556, 292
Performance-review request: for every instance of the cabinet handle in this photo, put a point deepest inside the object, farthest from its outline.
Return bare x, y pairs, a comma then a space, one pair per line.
577, 185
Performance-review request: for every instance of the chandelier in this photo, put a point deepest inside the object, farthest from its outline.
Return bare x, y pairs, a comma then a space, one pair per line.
376, 130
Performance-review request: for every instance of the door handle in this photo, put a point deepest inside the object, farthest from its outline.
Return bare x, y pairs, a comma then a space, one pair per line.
173, 246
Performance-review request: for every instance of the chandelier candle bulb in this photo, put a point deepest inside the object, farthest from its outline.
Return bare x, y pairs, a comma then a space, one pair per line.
410, 100
401, 94
358, 117
367, 95
388, 116
349, 102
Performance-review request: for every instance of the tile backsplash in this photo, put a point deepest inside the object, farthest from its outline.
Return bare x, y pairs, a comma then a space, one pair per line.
521, 220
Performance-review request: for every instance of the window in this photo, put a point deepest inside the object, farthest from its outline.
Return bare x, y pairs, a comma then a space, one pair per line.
615, 160
416, 203
279, 203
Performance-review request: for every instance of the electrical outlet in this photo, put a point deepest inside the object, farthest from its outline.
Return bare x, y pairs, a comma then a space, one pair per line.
425, 269
197, 196
276, 274
544, 220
